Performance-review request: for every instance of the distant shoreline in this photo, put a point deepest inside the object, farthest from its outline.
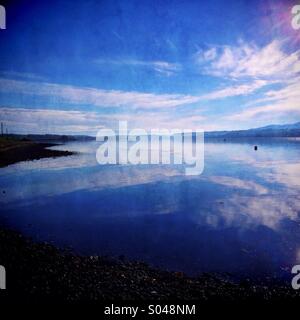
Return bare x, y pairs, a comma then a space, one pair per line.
291, 130
15, 150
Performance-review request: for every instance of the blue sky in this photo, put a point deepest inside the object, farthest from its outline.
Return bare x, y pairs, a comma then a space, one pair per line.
76, 66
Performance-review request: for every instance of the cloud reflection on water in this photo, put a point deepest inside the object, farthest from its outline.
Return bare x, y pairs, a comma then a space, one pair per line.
256, 187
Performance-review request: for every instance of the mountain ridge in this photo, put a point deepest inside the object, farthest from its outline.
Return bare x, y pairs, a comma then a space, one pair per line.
273, 130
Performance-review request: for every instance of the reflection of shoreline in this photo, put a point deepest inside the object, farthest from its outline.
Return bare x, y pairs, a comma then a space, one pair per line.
13, 151
41, 272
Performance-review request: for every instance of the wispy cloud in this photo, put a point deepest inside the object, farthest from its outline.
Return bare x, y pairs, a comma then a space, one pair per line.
21, 75
116, 98
275, 105
253, 68
245, 68
287, 108
23, 120
162, 67
96, 97
249, 60
236, 90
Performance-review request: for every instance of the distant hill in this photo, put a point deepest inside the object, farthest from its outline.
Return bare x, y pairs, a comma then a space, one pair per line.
284, 130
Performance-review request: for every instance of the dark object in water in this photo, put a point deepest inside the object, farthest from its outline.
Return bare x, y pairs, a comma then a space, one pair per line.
255, 148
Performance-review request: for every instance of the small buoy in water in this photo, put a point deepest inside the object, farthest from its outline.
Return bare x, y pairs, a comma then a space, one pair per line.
255, 148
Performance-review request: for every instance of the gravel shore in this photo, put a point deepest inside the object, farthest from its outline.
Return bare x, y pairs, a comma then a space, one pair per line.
41, 272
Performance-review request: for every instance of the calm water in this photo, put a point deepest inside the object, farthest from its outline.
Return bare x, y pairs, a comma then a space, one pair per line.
240, 216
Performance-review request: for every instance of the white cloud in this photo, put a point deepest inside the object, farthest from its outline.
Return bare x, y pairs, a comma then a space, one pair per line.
163, 67
290, 91
272, 112
116, 98
248, 60
249, 67
242, 89
96, 97
258, 67
274, 106
23, 120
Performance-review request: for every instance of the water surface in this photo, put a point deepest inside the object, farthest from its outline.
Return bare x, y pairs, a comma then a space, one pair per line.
241, 215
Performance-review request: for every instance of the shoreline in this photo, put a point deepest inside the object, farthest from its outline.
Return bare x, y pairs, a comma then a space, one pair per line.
13, 151
40, 272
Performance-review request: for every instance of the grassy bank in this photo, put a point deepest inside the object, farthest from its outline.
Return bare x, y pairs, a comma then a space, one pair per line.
14, 150
41, 272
